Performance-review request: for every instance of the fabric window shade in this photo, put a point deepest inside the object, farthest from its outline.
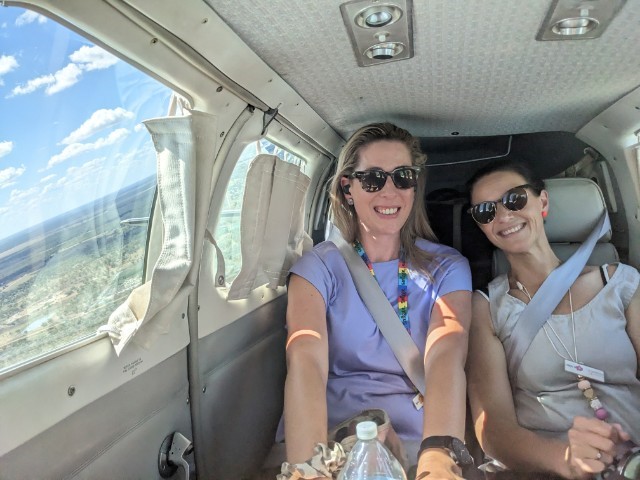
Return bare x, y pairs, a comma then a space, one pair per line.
271, 225
185, 148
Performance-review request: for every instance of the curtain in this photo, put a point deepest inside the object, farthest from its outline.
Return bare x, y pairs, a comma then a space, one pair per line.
185, 148
272, 224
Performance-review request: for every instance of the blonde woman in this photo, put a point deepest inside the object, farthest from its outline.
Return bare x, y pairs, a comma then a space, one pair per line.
338, 361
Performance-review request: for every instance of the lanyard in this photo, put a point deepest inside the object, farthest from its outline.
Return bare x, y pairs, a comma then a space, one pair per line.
403, 298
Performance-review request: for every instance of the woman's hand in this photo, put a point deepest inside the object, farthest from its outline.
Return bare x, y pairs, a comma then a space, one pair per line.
437, 464
592, 446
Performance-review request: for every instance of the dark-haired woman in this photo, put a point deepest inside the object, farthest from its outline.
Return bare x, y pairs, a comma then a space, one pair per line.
556, 421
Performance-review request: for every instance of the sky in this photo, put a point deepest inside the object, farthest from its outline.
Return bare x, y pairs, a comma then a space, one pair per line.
70, 120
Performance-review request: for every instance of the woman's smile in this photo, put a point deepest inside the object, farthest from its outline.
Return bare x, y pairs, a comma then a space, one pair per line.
387, 211
511, 230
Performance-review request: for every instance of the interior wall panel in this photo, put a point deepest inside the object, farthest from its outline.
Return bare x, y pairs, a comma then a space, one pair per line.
243, 371
118, 436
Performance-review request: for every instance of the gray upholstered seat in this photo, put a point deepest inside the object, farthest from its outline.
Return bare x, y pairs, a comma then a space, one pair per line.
575, 205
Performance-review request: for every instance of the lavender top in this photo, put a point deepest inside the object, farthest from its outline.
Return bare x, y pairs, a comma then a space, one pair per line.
363, 371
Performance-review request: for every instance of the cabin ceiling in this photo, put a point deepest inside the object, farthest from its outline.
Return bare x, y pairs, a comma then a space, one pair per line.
477, 68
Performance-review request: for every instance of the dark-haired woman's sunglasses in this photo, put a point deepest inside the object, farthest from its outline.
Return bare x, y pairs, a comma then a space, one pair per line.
374, 180
514, 200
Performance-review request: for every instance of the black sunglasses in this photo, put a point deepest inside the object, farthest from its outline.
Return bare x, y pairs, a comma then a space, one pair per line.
515, 199
374, 180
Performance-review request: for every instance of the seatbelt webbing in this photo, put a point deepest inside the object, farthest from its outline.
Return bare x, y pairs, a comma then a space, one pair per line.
547, 298
403, 346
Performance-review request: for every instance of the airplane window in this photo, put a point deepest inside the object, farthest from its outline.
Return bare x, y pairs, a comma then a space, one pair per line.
227, 232
77, 182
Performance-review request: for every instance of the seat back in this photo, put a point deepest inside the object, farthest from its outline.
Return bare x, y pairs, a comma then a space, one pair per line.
575, 206
453, 226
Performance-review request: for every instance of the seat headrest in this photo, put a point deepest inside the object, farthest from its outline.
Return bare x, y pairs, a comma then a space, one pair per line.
575, 206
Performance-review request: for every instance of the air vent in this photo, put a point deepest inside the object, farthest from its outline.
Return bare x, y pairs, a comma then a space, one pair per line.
380, 31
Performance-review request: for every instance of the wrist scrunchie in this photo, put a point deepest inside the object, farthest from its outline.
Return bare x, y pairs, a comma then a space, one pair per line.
325, 462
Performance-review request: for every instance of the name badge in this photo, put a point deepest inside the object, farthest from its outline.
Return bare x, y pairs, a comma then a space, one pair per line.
584, 370
418, 401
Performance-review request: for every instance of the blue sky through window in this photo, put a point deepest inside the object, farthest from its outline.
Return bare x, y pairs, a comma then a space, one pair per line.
70, 120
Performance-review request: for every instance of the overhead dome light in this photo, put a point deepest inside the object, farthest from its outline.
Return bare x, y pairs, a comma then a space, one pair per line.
578, 19
378, 16
380, 31
378, 19
384, 51
575, 26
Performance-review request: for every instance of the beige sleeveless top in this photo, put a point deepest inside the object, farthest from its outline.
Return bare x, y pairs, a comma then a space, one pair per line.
547, 398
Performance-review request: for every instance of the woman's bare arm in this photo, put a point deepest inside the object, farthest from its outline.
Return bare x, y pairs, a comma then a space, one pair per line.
445, 398
493, 409
305, 403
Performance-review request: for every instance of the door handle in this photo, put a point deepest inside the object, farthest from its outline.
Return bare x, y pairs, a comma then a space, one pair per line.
173, 454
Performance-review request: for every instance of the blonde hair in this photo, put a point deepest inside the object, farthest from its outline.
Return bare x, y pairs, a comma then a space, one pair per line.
344, 215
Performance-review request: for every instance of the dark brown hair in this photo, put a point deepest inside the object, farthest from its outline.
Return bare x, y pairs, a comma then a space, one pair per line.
515, 166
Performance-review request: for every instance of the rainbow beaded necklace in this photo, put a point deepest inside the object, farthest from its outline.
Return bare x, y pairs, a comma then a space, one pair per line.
403, 298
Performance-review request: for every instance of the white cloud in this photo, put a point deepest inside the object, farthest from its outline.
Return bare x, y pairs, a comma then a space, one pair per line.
18, 196
99, 119
47, 188
5, 148
32, 85
48, 178
77, 148
139, 127
83, 59
93, 58
85, 171
64, 78
8, 63
75, 179
30, 17
73, 188
61, 182
8, 176
24, 201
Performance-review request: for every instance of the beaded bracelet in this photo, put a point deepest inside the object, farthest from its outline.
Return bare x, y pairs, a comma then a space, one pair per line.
325, 462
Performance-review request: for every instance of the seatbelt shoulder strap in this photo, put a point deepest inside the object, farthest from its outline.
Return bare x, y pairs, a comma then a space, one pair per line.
403, 346
547, 298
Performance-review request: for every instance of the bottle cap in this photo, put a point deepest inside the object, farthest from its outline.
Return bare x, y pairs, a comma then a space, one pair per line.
366, 430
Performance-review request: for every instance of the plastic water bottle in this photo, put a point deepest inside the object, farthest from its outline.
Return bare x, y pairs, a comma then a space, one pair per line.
369, 459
